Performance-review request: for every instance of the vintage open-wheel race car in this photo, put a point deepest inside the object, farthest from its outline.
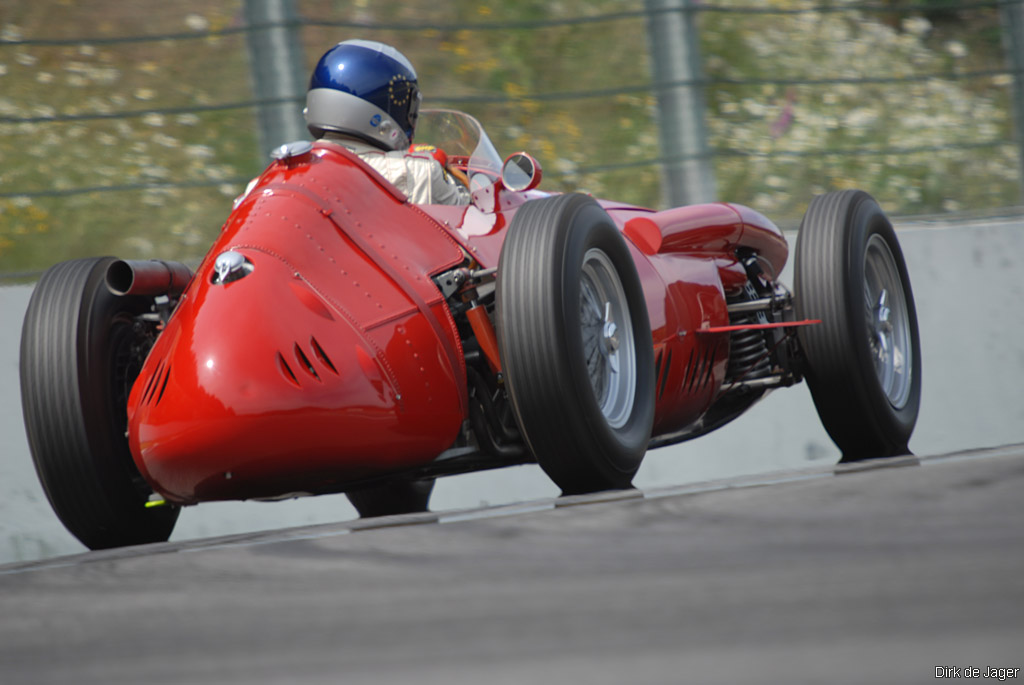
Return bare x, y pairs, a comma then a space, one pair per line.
337, 338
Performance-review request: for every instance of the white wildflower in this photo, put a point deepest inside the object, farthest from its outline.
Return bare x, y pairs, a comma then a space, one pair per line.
166, 141
187, 119
25, 59
197, 22
10, 32
216, 172
44, 77
754, 108
862, 117
917, 26
144, 94
956, 48
157, 172
153, 119
199, 151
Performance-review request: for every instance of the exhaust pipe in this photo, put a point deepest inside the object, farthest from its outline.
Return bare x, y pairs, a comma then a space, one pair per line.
153, 277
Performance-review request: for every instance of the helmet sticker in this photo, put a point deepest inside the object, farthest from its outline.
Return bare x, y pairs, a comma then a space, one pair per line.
400, 90
375, 120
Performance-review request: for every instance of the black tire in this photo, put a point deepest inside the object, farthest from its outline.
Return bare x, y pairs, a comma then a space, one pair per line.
397, 497
850, 273
586, 435
80, 355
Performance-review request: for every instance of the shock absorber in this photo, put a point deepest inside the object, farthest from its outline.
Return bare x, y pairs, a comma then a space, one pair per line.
748, 349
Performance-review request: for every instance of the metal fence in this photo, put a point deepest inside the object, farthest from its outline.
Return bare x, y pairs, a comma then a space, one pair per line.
132, 137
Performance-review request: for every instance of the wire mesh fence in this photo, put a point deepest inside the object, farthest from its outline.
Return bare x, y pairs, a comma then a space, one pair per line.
128, 128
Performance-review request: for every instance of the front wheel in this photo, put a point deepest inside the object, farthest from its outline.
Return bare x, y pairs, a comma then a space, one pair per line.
81, 350
575, 343
864, 359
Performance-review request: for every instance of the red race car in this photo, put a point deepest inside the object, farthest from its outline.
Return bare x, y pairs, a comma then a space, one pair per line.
337, 338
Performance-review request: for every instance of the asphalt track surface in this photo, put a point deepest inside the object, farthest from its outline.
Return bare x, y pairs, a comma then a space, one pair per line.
873, 573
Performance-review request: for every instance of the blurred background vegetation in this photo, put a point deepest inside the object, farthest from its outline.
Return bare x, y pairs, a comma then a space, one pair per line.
127, 128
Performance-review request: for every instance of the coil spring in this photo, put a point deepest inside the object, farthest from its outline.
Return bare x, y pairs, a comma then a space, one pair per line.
748, 350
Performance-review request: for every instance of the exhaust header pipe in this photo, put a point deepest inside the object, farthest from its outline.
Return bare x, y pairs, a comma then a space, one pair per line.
153, 277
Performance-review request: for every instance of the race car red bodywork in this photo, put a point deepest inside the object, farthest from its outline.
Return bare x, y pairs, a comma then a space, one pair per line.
338, 358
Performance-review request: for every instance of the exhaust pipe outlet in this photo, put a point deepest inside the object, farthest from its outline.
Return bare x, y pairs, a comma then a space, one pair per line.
153, 277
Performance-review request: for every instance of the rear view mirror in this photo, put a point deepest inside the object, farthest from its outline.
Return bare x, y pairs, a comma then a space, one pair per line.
520, 172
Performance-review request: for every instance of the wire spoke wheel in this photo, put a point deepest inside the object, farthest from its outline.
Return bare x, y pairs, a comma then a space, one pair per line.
575, 343
887, 322
608, 337
863, 362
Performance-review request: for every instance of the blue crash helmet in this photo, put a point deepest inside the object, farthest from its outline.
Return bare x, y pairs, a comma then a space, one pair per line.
367, 90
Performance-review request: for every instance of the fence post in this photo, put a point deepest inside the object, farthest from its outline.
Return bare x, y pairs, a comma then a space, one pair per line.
688, 175
1013, 43
277, 70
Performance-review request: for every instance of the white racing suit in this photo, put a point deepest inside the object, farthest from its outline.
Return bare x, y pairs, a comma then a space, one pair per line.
418, 175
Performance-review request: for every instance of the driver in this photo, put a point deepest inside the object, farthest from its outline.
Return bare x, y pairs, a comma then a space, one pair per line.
363, 95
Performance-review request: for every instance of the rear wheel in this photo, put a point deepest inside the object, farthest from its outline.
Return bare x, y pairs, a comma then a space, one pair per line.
81, 350
575, 343
864, 359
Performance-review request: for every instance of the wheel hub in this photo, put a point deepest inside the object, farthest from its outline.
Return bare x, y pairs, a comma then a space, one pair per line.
882, 328
609, 339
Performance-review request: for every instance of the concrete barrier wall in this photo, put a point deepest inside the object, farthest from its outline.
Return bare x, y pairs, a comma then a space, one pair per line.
970, 298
